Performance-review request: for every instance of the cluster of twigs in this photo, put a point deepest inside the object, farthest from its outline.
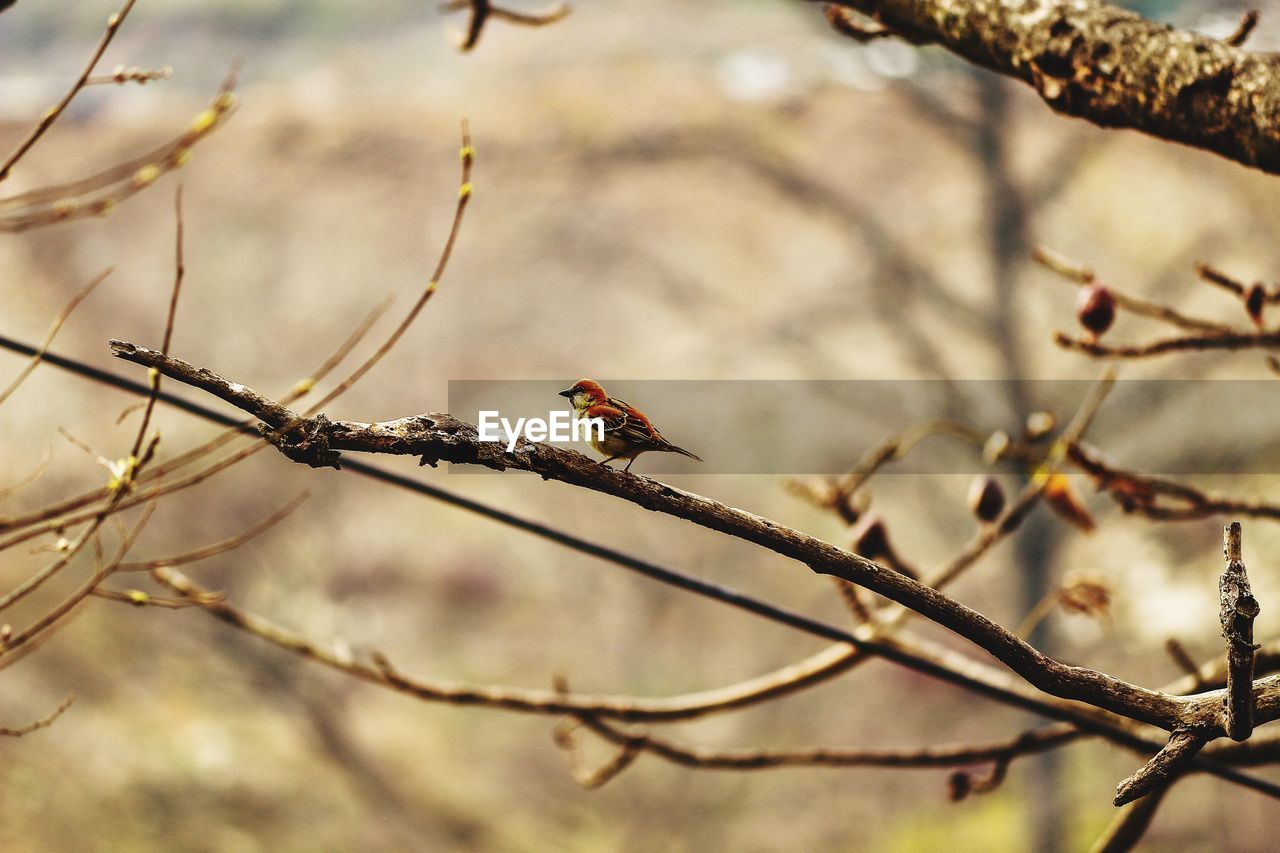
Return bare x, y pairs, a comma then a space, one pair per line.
140, 477
99, 193
437, 437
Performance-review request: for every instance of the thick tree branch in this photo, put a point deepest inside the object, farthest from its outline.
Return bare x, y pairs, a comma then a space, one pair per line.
1112, 67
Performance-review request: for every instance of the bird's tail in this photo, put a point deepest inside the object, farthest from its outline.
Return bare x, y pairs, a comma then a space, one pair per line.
671, 448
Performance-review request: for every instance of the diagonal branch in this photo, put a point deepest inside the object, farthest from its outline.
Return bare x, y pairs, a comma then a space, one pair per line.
1169, 762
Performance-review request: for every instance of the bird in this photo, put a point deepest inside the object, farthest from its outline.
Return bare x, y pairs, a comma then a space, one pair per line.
627, 431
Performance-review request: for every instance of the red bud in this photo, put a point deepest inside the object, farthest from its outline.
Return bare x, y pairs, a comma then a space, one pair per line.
870, 539
1254, 300
1096, 309
986, 498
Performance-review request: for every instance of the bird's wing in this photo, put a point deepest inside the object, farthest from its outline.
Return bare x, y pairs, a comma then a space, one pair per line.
624, 421
613, 417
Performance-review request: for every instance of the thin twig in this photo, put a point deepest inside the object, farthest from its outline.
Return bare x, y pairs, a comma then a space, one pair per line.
52, 114
42, 723
1142, 493
923, 656
139, 598
68, 604
1212, 275
1008, 521
929, 757
1243, 30
1080, 276
222, 547
1209, 341
9, 491
54, 327
1183, 659
467, 155
121, 75
1130, 824
100, 193
52, 513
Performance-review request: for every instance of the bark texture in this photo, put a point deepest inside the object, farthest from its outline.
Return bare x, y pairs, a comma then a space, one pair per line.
1112, 67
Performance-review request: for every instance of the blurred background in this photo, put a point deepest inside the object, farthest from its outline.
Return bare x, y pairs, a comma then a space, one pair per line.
663, 190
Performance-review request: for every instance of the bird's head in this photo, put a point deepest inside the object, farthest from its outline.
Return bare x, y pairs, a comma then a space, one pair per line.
584, 393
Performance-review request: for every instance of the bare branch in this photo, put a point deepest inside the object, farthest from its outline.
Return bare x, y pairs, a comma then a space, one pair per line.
1081, 276
1141, 493
9, 491
1130, 824
139, 598
1243, 30
121, 75
926, 657
222, 547
1231, 340
929, 757
849, 24
71, 602
1212, 275
1161, 770
1238, 610
467, 155
42, 723
1183, 659
54, 327
100, 193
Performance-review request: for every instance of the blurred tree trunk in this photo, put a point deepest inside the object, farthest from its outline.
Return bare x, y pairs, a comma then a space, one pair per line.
1009, 246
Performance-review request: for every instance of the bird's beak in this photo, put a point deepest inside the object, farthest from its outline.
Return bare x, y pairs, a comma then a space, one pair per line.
568, 392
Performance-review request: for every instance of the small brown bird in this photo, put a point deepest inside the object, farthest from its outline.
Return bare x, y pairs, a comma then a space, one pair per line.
627, 432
